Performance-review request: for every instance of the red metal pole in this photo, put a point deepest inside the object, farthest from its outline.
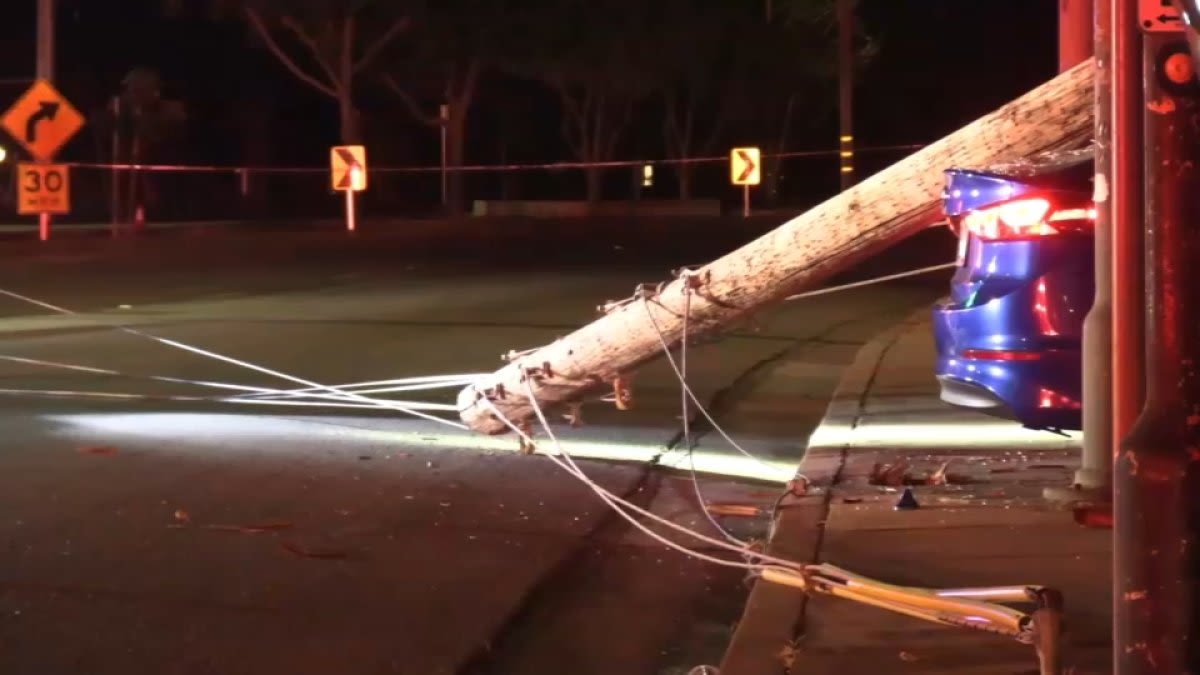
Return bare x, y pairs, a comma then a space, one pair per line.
1157, 471
1125, 187
1074, 32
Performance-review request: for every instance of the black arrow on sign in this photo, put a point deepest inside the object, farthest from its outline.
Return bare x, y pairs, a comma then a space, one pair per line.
747, 165
351, 163
47, 110
1166, 18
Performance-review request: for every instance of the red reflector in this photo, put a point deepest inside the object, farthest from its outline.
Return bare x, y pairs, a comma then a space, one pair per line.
999, 355
1048, 398
1023, 219
1041, 309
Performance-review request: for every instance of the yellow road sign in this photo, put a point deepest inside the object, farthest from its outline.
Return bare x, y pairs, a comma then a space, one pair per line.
348, 167
42, 120
745, 166
43, 188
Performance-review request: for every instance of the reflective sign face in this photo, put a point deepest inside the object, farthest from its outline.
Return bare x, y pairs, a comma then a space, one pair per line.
42, 120
745, 166
348, 168
43, 188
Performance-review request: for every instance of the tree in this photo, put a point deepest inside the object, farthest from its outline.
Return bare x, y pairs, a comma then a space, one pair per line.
329, 32
796, 55
325, 44
743, 64
703, 85
451, 45
141, 125
597, 56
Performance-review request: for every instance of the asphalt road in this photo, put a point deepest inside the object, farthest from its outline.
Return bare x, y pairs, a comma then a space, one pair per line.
144, 534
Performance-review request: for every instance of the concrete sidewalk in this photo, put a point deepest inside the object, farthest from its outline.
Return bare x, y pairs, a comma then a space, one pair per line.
989, 527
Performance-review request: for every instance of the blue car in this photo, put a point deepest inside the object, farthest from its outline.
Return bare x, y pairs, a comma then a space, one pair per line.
1009, 335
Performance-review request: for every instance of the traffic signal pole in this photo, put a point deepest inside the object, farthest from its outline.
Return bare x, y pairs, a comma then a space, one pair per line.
1075, 33
1157, 469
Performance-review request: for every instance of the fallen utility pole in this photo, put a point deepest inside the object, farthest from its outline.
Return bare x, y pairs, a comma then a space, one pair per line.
848, 228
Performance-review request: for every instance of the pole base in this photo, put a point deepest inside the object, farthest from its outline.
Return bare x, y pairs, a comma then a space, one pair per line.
1078, 495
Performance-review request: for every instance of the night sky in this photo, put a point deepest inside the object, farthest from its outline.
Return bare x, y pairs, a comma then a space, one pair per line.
941, 64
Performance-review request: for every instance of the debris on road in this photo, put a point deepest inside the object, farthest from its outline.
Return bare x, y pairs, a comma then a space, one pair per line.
184, 519
889, 474
900, 474
907, 501
314, 552
787, 656
251, 529
101, 450
798, 487
1094, 517
743, 510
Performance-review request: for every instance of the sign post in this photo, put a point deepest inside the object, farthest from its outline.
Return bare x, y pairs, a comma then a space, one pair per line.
42, 121
348, 174
745, 169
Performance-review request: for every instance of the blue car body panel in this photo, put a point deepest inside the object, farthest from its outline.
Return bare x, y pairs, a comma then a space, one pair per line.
1021, 301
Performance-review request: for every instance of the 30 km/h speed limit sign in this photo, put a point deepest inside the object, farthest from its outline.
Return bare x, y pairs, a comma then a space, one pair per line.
43, 188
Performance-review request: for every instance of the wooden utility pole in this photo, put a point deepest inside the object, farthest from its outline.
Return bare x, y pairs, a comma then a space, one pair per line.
849, 227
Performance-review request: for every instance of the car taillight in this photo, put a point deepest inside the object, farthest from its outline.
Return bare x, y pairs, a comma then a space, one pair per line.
1024, 219
1049, 399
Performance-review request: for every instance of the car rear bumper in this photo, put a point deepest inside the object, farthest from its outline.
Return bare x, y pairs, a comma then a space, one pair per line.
1038, 384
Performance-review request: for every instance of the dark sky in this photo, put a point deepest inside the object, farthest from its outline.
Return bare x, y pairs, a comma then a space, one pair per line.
944, 63
941, 64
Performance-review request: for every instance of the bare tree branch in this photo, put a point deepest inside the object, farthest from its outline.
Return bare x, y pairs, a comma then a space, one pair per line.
346, 55
467, 92
574, 119
314, 49
260, 27
624, 115
671, 128
373, 51
410, 102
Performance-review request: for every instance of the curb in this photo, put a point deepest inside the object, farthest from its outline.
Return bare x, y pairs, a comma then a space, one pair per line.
822, 460
773, 618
